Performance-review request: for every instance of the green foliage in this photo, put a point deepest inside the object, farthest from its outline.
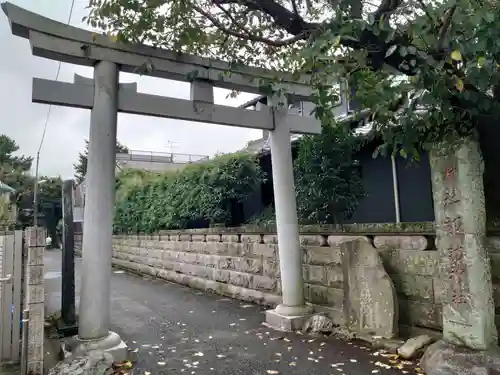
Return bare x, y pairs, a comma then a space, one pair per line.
81, 165
265, 218
13, 169
429, 70
328, 181
199, 193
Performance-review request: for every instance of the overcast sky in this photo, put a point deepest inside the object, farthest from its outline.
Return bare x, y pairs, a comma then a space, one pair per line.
68, 127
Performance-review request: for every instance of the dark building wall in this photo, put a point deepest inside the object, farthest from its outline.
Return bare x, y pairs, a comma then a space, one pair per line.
415, 189
414, 181
378, 204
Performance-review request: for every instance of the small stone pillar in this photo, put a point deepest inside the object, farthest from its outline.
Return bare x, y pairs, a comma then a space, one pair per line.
292, 312
459, 206
34, 297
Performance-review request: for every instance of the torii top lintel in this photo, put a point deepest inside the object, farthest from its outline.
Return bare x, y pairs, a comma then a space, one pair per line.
55, 40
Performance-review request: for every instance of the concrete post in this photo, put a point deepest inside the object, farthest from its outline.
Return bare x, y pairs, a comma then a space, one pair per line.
95, 294
34, 297
290, 314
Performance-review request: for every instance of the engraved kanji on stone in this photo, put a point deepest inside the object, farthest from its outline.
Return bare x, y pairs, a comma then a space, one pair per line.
452, 225
459, 299
450, 172
450, 197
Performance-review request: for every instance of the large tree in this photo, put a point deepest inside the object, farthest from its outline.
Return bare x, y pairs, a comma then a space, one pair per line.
429, 67
81, 165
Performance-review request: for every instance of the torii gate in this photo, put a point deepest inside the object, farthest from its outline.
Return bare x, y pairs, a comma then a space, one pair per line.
105, 97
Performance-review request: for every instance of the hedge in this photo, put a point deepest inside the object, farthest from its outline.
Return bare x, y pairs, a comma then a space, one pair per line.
199, 194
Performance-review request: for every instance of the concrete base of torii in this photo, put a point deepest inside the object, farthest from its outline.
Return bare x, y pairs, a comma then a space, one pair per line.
111, 344
286, 318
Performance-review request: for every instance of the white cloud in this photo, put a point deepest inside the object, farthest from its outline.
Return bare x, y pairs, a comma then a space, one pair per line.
68, 127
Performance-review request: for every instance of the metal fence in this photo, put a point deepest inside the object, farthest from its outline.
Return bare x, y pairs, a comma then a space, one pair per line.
160, 157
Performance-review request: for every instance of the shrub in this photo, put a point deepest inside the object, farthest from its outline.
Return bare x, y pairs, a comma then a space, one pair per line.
328, 183
199, 193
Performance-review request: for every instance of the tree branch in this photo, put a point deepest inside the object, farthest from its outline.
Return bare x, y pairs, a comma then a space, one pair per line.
447, 18
247, 36
386, 7
424, 8
289, 21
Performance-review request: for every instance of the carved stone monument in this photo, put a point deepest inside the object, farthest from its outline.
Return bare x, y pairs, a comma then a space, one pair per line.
370, 300
457, 182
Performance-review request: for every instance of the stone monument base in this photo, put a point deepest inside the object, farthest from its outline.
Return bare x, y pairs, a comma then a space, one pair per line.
288, 318
442, 358
111, 344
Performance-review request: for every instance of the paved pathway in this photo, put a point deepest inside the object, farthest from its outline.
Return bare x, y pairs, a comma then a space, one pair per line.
171, 329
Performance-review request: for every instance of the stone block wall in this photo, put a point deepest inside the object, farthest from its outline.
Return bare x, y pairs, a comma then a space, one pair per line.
243, 263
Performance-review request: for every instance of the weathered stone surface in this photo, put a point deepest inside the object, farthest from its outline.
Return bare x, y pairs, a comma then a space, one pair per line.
337, 240
323, 295
321, 255
458, 192
318, 323
334, 275
213, 238
442, 358
370, 301
198, 237
270, 238
414, 286
94, 363
271, 268
400, 242
413, 346
314, 274
411, 262
251, 238
230, 238
312, 240
420, 313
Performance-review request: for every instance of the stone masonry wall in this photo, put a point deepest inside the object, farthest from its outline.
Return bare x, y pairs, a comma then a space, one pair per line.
244, 264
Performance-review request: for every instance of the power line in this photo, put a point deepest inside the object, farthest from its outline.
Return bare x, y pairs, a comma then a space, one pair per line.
37, 164
57, 77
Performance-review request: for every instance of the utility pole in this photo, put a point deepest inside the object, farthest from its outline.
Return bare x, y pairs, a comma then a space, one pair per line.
35, 192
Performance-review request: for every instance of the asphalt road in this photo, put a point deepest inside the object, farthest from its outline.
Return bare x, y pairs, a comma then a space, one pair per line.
171, 329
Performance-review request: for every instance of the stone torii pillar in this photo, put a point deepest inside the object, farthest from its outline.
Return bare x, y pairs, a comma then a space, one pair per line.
94, 314
292, 312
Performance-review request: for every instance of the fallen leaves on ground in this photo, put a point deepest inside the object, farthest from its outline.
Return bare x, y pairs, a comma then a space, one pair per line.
122, 368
